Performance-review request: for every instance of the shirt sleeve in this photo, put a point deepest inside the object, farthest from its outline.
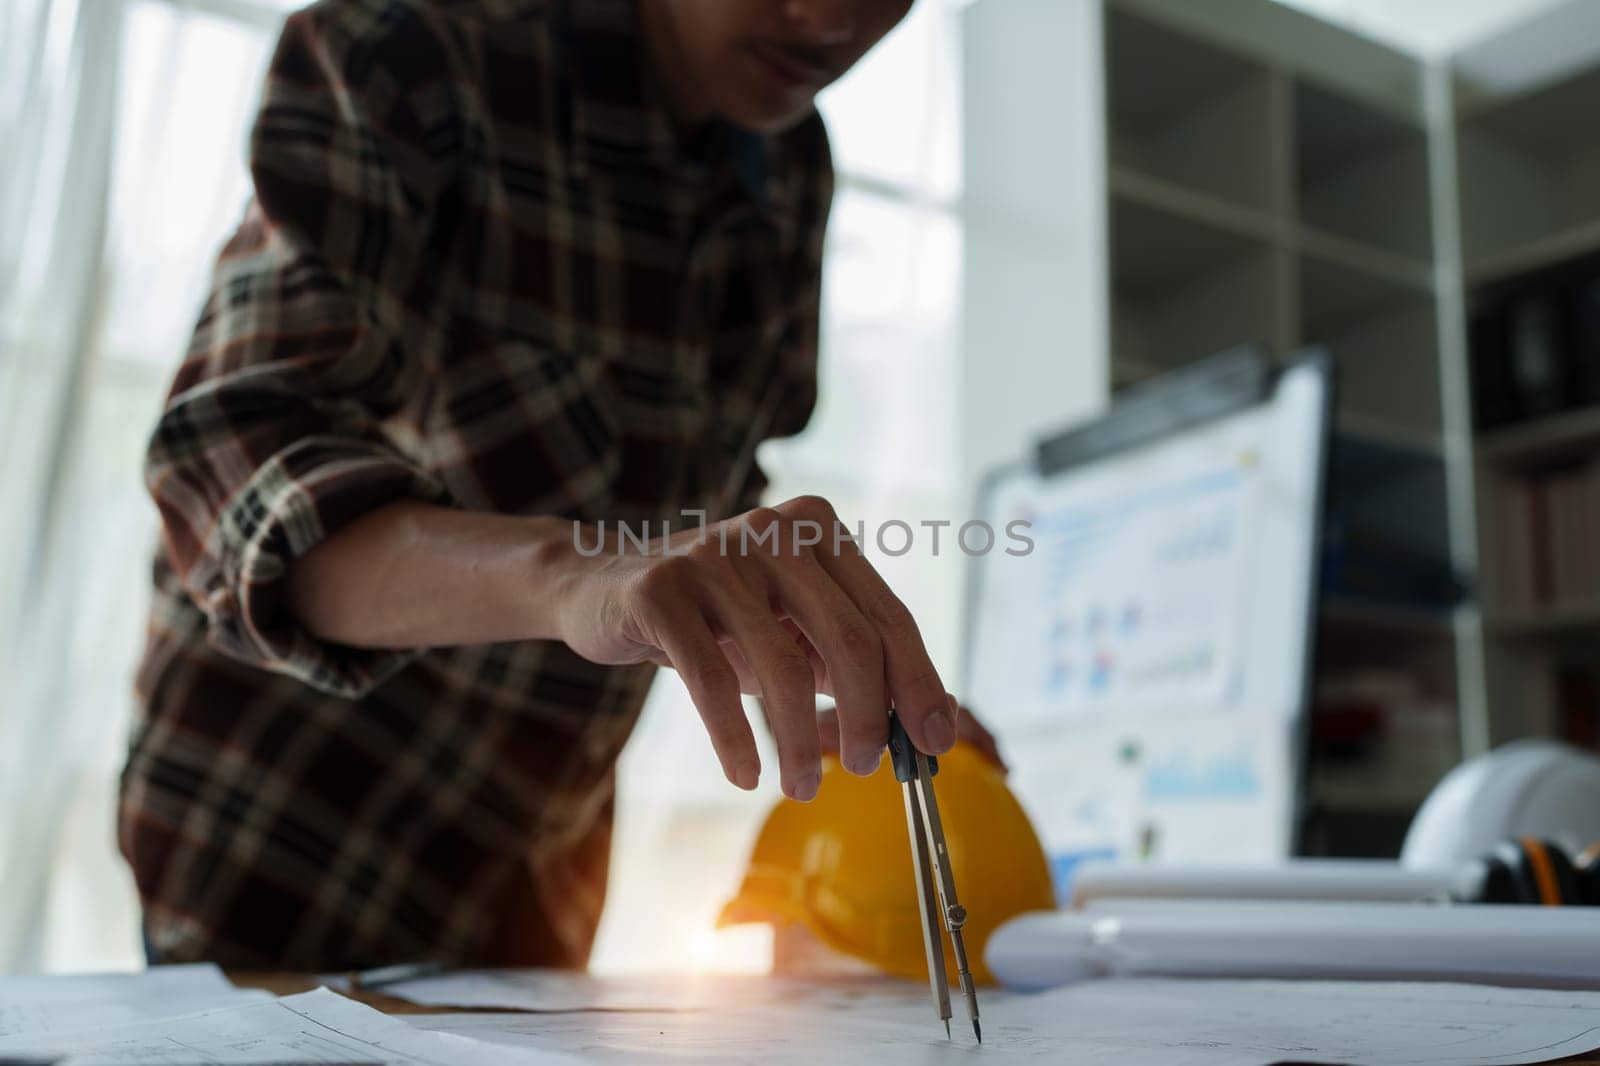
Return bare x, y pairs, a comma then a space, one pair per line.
323, 317
796, 380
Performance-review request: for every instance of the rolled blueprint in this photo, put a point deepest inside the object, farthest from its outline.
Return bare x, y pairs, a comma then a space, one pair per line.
1551, 947
1333, 880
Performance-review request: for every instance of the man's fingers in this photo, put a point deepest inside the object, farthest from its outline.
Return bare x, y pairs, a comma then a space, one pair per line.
714, 687
800, 612
915, 688
852, 651
788, 689
828, 730
748, 682
819, 669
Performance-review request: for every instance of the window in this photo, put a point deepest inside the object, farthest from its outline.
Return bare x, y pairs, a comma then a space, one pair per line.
157, 94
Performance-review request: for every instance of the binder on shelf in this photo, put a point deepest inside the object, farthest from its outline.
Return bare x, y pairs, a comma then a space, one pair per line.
1547, 526
1538, 353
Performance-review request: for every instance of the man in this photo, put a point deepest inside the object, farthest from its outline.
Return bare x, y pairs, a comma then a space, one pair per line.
516, 272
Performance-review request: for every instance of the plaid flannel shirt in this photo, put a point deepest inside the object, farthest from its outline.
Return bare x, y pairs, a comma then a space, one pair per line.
480, 268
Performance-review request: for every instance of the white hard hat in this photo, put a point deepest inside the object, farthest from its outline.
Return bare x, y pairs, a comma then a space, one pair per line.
1525, 788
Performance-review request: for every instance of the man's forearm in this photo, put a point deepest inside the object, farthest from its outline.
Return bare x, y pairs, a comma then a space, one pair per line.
413, 574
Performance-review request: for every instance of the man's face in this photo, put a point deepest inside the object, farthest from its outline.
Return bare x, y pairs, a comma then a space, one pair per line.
759, 63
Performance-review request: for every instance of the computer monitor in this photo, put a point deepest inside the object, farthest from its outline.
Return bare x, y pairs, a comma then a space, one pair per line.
1146, 663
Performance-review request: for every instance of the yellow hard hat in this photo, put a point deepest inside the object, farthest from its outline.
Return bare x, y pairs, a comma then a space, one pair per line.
841, 864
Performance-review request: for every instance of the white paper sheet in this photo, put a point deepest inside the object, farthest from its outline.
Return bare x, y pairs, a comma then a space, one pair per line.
314, 1027
550, 990
562, 990
1134, 1022
1346, 1022
37, 1006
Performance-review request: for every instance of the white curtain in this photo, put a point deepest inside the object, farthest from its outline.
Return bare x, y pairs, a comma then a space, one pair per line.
123, 122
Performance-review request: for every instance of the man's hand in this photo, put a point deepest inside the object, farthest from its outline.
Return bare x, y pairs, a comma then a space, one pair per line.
764, 604
771, 603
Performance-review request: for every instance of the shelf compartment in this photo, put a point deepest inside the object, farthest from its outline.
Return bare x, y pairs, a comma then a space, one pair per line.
1361, 174
1348, 615
1565, 246
1372, 324
1537, 530
1135, 187
1386, 555
1400, 270
1530, 179
1542, 440
1183, 289
1334, 295
1384, 731
1360, 427
1575, 620
1174, 100
1363, 791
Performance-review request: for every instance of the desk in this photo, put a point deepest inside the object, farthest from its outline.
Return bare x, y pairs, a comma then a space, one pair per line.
611, 1030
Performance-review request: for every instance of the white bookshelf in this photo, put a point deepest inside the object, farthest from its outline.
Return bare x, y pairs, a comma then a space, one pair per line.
1251, 198
1237, 171
1262, 177
1259, 193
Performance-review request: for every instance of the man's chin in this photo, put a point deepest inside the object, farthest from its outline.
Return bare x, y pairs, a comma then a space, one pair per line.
766, 114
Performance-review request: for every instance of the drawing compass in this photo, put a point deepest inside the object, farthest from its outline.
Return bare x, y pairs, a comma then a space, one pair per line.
930, 862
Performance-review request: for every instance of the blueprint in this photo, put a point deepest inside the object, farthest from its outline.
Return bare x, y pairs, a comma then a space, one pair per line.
40, 1006
314, 1027
1145, 1022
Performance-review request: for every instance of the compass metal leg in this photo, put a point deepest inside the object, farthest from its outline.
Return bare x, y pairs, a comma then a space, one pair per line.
921, 866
